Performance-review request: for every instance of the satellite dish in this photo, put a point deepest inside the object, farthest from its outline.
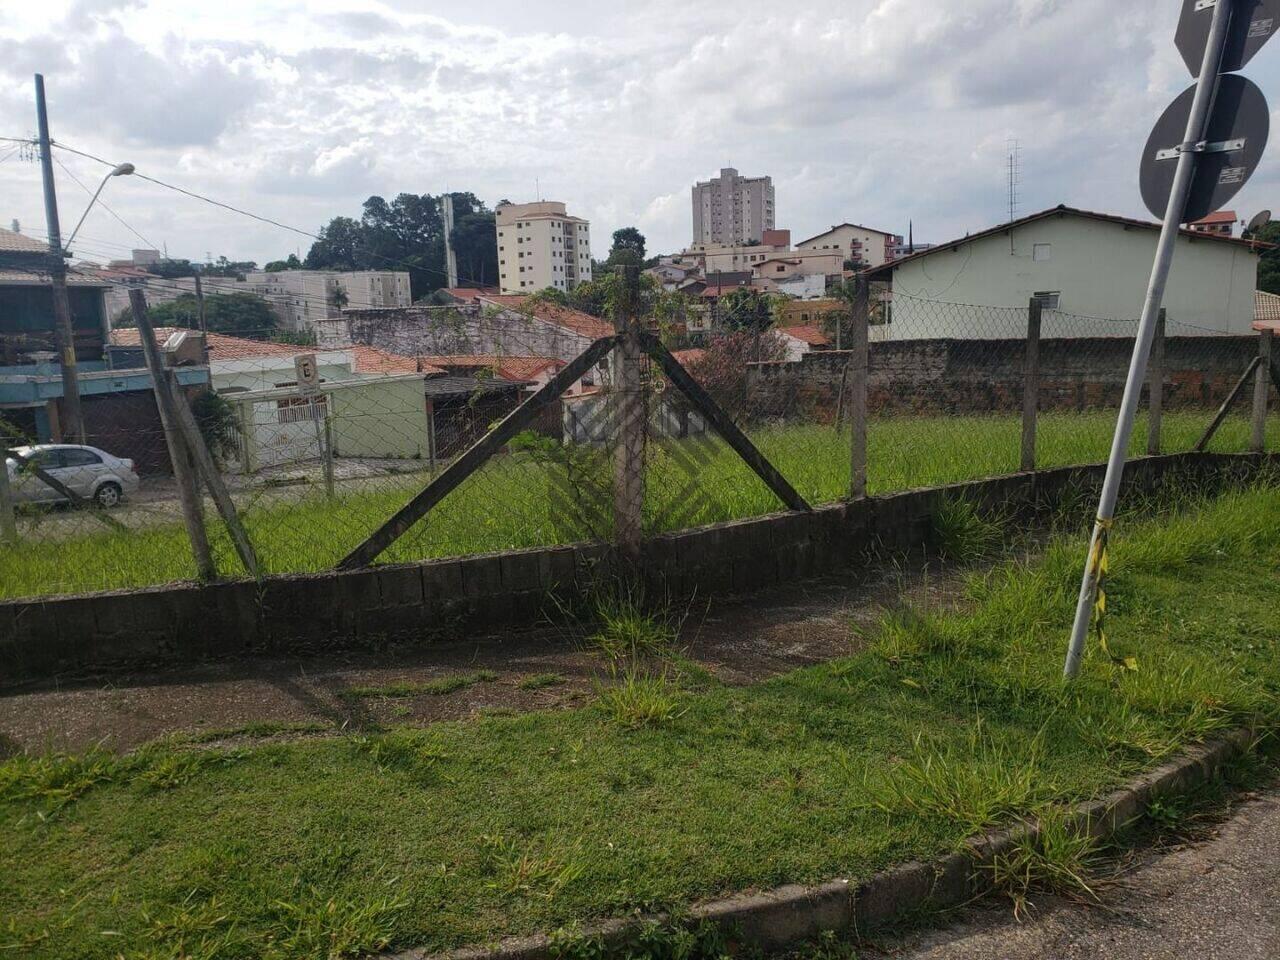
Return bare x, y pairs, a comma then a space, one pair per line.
1235, 141
1258, 222
1253, 23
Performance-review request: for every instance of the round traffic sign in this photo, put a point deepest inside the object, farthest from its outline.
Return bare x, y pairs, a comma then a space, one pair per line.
1233, 148
1252, 24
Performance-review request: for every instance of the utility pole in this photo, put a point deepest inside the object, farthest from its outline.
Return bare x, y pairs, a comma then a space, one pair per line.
64, 334
204, 325
450, 256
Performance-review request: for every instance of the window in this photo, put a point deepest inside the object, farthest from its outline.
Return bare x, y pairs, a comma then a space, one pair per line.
79, 458
1049, 300
301, 409
1042, 252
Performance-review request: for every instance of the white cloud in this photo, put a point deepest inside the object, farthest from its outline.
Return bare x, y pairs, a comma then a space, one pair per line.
878, 111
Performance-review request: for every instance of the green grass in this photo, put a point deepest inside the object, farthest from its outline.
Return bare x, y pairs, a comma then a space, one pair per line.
438, 687
520, 500
466, 831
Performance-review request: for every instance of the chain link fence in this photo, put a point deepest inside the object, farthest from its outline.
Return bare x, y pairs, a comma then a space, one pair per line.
321, 444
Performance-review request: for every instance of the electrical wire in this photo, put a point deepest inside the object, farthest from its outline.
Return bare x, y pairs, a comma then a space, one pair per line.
253, 216
102, 203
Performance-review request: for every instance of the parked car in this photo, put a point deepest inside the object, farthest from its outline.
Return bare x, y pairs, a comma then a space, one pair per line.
92, 473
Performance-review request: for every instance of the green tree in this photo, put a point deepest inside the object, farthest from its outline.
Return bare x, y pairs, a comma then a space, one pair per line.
235, 314
628, 238
1269, 262
744, 308
340, 246
475, 243
290, 263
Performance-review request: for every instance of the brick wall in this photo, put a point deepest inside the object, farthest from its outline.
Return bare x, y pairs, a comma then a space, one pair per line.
466, 329
450, 599
981, 376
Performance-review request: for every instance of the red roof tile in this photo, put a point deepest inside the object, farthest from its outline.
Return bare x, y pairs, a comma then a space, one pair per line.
221, 346
807, 333
467, 294
516, 368
372, 360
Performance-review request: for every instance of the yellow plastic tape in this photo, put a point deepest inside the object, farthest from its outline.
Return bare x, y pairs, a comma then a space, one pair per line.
1099, 565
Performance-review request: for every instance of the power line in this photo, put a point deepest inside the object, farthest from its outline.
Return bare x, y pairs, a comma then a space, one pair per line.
253, 216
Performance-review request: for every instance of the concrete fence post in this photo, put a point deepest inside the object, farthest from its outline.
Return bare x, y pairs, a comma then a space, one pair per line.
859, 362
1261, 392
1031, 385
1155, 387
628, 455
8, 525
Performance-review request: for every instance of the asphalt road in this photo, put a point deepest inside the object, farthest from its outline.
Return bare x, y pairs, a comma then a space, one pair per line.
1214, 899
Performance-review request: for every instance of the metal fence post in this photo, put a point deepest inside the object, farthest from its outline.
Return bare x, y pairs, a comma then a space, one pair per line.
328, 452
1261, 391
628, 462
860, 320
1031, 385
1155, 387
183, 472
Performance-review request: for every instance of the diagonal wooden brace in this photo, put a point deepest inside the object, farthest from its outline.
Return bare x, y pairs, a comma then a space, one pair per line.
475, 457
723, 425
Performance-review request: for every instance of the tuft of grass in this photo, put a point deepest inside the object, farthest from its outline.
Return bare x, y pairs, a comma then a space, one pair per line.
974, 782
626, 630
54, 779
513, 870
962, 533
408, 750
1058, 858
633, 699
540, 681
439, 687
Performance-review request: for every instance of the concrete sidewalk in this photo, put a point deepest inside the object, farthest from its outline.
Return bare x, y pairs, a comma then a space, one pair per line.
1218, 897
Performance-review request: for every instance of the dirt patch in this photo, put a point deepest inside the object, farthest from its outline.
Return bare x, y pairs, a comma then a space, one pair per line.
740, 641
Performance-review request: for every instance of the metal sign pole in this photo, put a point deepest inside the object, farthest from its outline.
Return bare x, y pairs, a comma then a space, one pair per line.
1206, 87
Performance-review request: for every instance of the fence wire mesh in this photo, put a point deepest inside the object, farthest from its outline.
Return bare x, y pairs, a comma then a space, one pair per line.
399, 395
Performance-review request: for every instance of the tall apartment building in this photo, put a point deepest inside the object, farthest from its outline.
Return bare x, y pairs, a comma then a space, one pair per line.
540, 246
731, 209
299, 297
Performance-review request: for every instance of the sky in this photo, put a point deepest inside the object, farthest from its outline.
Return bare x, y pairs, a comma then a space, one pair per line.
879, 112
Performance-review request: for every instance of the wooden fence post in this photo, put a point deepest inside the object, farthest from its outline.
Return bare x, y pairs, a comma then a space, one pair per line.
628, 455
1031, 385
860, 321
1155, 387
1261, 391
192, 512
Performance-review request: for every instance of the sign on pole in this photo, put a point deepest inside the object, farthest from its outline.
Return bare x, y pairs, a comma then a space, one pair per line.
307, 372
1226, 158
1201, 152
1253, 23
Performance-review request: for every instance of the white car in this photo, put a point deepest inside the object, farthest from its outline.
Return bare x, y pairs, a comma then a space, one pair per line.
92, 473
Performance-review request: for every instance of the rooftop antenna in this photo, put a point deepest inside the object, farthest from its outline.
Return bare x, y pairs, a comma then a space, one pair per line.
17, 227
1013, 150
537, 189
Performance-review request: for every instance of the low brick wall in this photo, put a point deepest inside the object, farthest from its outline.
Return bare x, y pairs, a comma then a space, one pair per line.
983, 376
447, 599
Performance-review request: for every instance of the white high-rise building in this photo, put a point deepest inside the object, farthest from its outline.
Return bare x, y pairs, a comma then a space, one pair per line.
730, 209
540, 246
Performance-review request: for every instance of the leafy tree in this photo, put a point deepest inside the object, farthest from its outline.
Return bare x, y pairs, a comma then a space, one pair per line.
169, 269
1269, 262
628, 238
290, 263
550, 295
745, 308
475, 243
235, 314
340, 246
222, 267
218, 423
722, 366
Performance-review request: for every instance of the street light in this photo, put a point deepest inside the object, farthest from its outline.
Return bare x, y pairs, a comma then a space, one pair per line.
121, 170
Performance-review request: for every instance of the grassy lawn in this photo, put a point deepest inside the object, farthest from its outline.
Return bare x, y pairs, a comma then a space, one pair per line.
517, 501
668, 788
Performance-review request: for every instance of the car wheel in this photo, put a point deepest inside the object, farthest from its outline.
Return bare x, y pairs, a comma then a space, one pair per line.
108, 495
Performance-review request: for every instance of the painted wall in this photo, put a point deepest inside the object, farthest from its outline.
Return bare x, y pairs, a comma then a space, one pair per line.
1100, 269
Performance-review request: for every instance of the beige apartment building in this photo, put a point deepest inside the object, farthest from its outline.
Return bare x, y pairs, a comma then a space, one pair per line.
540, 246
874, 248
300, 297
732, 209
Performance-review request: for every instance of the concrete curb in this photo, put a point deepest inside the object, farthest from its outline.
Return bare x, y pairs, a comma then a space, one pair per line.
789, 915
